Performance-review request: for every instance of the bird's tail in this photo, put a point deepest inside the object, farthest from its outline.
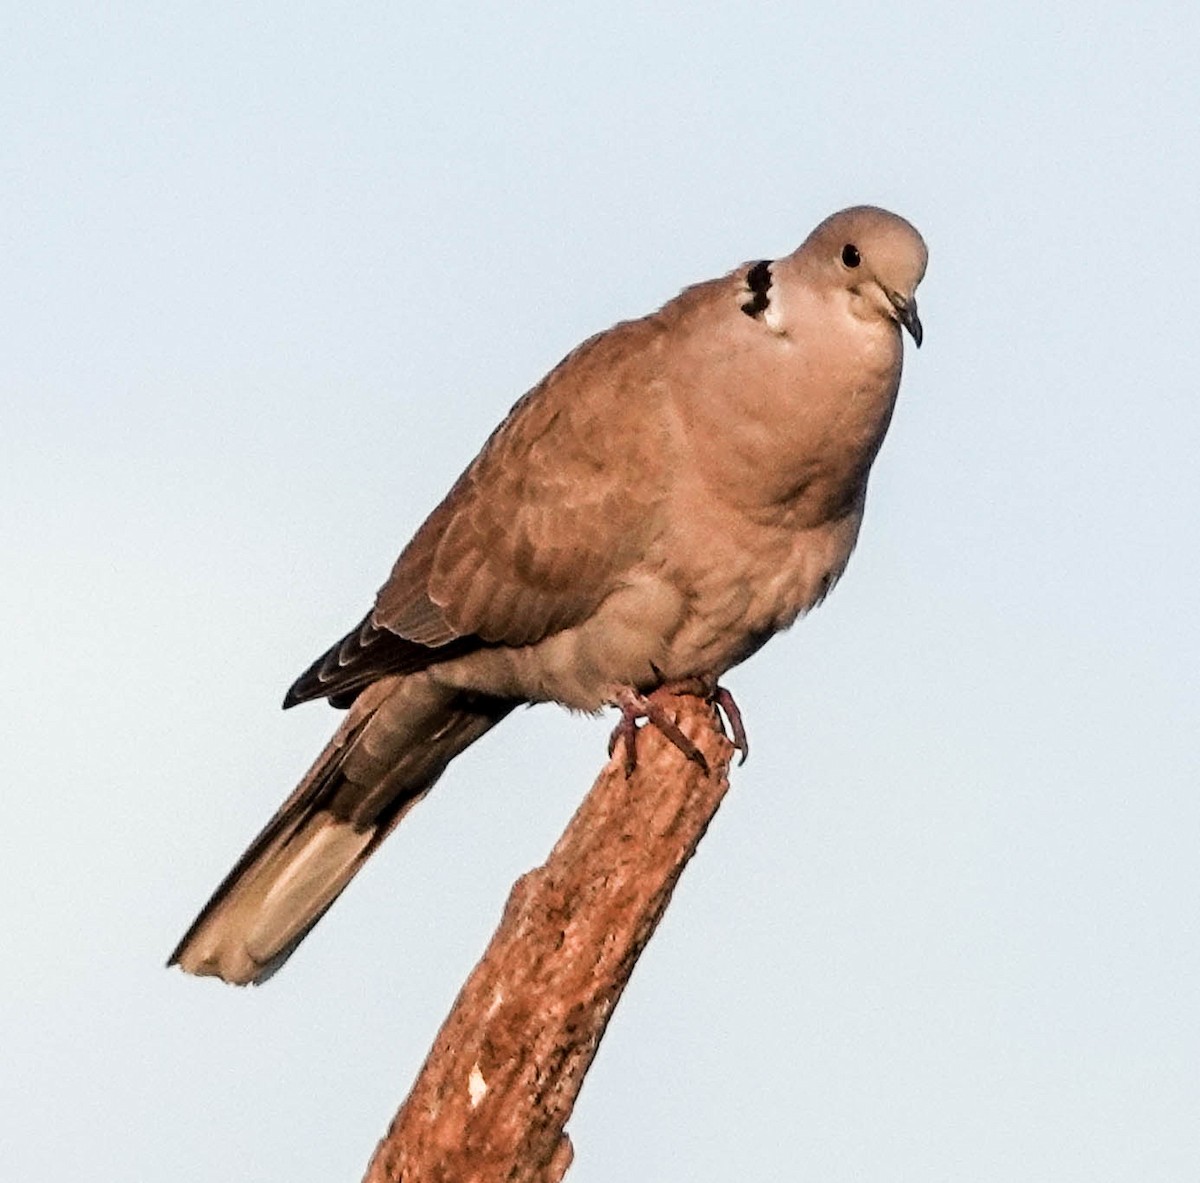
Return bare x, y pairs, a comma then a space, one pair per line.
395, 742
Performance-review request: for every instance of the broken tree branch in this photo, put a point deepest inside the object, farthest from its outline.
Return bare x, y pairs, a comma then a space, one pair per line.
491, 1100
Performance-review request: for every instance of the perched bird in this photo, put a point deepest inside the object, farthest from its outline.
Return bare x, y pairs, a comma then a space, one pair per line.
677, 490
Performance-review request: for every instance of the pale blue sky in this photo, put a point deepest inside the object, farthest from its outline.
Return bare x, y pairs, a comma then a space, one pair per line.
270, 276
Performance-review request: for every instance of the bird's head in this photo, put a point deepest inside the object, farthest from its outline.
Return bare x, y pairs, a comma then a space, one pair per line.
876, 256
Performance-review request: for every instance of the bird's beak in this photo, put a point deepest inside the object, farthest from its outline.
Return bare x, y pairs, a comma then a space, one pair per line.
906, 313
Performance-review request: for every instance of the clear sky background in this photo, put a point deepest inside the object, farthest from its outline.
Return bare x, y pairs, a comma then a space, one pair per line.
269, 274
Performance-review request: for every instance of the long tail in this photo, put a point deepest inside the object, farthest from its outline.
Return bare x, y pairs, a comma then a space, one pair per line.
395, 742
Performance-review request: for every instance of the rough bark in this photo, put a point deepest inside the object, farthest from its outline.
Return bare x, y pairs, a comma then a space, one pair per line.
492, 1098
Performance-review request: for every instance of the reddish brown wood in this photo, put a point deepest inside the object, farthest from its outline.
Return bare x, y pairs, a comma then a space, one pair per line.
493, 1097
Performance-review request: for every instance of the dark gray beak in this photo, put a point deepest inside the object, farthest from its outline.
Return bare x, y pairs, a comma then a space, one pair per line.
906, 314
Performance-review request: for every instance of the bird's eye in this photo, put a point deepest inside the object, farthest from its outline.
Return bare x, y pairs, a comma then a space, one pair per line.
850, 255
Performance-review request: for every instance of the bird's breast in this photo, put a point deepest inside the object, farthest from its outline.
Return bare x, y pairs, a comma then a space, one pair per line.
787, 426
743, 582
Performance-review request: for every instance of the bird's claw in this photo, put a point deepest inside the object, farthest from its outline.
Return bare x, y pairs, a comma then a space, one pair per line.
724, 700
636, 706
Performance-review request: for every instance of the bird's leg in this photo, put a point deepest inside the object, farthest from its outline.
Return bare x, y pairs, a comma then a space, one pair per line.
712, 692
634, 706
723, 699
625, 732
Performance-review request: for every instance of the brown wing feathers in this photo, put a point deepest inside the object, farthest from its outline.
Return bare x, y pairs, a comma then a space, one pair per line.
530, 540
364, 655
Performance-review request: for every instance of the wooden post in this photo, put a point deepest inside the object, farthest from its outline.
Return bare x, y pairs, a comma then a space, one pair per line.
494, 1095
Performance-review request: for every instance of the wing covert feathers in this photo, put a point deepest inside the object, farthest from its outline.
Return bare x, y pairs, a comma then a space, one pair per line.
540, 528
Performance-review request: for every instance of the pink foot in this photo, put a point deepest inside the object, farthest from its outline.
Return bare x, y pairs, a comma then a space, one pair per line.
723, 699
635, 706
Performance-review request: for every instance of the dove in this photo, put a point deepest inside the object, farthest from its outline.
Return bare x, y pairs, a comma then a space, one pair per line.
676, 491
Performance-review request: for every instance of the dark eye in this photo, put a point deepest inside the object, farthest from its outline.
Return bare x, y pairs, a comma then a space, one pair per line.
850, 255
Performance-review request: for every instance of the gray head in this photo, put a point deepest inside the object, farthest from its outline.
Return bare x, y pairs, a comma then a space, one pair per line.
875, 256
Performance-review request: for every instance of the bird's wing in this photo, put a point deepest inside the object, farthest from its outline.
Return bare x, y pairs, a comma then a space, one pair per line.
540, 528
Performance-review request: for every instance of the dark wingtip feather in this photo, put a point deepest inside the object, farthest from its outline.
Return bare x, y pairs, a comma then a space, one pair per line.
364, 655
305, 687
